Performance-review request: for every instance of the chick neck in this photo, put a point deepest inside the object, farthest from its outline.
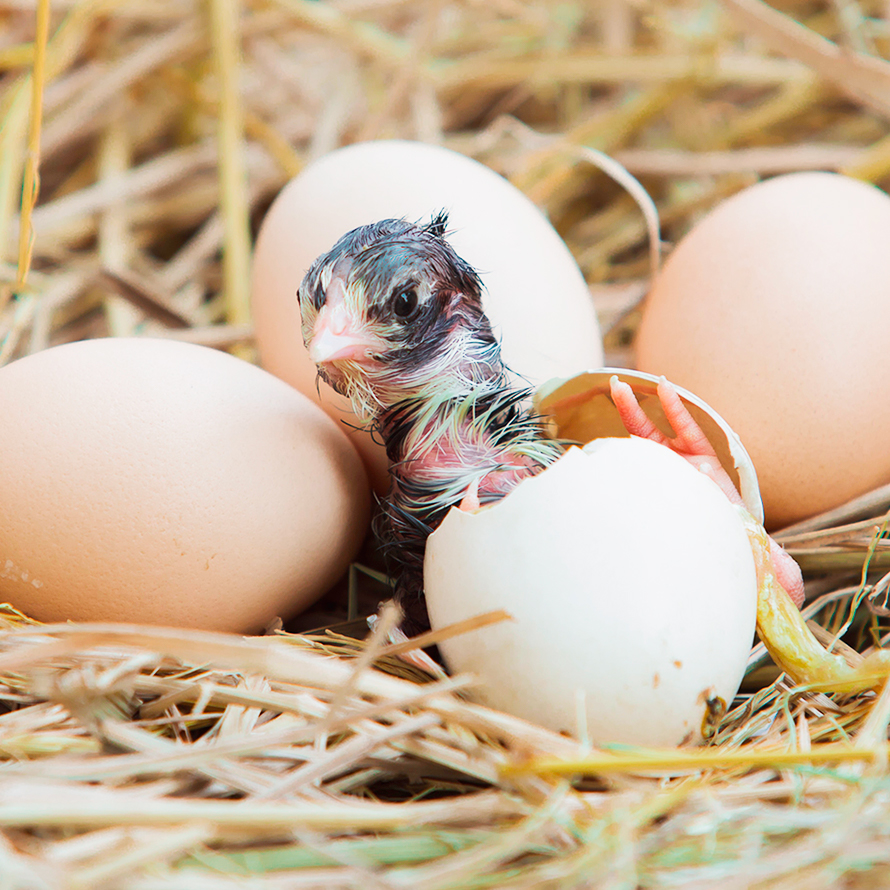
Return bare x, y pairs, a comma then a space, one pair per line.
479, 436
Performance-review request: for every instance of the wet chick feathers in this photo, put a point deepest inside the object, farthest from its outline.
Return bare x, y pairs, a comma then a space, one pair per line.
391, 312
393, 318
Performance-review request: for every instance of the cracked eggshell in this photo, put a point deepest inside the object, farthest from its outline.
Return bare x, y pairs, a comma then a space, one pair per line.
581, 409
630, 580
523, 262
159, 482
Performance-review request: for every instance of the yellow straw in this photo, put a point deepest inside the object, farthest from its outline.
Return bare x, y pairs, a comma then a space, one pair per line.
224, 18
31, 186
670, 761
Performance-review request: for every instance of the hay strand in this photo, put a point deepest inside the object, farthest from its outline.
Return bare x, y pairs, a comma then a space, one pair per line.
31, 186
224, 25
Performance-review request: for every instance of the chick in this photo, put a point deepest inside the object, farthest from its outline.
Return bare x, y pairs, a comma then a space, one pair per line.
393, 318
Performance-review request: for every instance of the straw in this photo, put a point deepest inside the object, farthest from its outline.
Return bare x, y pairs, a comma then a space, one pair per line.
31, 186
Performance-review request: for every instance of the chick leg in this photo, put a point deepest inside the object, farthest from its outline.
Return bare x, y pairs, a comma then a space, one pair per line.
692, 444
470, 500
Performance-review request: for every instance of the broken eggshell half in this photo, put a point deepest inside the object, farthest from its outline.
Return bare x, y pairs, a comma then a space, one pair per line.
628, 574
632, 589
580, 409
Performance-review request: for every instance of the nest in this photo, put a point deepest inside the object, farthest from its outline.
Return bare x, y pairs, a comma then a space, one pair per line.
138, 757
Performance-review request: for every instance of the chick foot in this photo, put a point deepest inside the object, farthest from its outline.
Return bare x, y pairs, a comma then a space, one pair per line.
692, 445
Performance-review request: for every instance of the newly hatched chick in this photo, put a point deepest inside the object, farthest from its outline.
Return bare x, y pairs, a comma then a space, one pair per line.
392, 313
393, 318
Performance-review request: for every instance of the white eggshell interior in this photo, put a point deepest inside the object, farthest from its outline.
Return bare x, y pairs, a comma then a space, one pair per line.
630, 581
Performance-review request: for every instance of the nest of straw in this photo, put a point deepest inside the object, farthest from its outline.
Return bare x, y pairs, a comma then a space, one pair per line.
158, 133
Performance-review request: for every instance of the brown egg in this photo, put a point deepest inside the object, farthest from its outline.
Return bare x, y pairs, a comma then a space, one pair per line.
775, 309
164, 483
535, 295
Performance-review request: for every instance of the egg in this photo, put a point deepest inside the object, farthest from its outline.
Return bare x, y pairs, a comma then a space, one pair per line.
631, 585
536, 297
160, 482
774, 309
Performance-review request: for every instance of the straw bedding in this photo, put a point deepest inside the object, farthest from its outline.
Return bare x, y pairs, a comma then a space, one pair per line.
136, 757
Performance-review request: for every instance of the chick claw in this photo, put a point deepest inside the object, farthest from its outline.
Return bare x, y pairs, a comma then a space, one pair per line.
470, 500
692, 444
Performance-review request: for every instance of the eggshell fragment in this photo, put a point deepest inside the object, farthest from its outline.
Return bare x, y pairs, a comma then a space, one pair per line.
630, 580
581, 409
536, 297
164, 483
775, 310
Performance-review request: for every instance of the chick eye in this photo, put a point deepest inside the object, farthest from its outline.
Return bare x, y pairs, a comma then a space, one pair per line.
405, 302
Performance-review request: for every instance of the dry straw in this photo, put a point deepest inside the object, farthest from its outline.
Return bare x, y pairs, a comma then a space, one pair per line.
145, 759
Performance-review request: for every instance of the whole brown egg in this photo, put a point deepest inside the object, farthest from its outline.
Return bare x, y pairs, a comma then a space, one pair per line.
159, 482
775, 309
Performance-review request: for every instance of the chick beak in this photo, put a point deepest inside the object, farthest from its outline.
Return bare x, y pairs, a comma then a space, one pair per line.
338, 335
